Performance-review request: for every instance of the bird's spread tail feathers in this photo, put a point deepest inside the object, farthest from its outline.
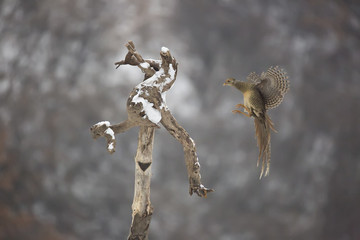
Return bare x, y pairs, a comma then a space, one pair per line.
263, 126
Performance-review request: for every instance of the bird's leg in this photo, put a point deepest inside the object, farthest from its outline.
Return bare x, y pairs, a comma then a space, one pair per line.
238, 111
242, 106
245, 107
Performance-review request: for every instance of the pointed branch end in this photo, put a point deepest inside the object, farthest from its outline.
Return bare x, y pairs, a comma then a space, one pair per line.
118, 64
131, 47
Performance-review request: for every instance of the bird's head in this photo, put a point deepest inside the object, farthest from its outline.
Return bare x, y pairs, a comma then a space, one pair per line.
229, 82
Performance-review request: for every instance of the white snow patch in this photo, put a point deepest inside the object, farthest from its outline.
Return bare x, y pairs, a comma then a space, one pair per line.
151, 113
110, 132
151, 81
171, 71
145, 65
197, 164
163, 96
106, 123
167, 81
164, 49
111, 146
192, 141
163, 104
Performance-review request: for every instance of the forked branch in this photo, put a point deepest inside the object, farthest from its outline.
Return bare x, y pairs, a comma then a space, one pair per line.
146, 108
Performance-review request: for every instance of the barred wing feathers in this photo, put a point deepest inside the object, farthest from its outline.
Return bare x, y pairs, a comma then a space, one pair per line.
273, 85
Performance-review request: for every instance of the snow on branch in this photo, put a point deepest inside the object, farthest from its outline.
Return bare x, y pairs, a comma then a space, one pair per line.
146, 108
103, 129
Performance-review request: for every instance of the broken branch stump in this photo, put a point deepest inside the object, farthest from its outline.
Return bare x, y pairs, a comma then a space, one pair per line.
146, 108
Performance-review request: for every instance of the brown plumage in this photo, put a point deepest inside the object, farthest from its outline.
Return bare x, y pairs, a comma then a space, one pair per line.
260, 94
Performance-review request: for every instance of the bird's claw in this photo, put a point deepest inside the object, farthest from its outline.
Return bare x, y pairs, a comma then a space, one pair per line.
236, 111
240, 106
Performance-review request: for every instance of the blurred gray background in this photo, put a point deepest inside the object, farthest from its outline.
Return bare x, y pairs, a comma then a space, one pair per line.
57, 78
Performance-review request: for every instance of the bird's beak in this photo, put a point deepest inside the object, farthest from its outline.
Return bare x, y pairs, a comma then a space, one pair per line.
224, 84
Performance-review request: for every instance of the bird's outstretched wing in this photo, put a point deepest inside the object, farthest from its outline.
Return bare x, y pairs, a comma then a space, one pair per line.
273, 85
253, 78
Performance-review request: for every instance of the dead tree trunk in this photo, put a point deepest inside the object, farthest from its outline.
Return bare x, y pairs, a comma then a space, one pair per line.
141, 208
146, 108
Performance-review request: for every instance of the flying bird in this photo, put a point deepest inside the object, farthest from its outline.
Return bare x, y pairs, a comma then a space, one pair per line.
260, 94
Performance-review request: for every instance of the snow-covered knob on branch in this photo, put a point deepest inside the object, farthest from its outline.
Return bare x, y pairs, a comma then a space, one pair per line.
146, 107
103, 129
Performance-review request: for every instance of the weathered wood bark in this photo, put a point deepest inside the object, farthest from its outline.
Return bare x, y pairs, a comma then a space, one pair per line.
141, 208
146, 108
191, 159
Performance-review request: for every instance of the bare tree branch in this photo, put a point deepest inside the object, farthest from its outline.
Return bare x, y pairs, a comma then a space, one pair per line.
191, 159
146, 107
